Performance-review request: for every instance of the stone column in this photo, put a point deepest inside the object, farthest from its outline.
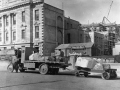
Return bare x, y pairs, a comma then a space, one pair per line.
3, 29
10, 29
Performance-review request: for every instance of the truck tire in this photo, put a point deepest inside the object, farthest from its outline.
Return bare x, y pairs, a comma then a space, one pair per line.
43, 69
105, 75
10, 67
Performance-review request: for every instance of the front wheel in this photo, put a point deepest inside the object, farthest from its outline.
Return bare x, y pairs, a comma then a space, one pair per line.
43, 69
10, 67
105, 75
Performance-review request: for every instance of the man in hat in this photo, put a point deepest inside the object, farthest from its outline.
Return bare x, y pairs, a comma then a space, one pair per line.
60, 55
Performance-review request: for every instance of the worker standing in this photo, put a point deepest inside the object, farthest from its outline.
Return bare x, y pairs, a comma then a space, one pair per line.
59, 55
15, 62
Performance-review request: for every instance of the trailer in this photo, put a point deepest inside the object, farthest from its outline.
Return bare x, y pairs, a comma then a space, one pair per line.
106, 72
44, 66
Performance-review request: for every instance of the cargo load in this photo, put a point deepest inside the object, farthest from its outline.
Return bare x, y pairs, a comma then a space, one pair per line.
98, 66
85, 62
36, 56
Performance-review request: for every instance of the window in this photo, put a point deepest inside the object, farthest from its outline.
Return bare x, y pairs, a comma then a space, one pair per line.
6, 36
67, 25
68, 35
36, 31
14, 19
0, 22
71, 26
23, 16
23, 34
0, 37
6, 20
36, 14
14, 35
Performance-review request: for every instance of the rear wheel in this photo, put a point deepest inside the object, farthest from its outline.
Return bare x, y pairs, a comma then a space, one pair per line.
10, 67
105, 75
43, 69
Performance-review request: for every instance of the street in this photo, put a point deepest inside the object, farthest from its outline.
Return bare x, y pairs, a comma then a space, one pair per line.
31, 80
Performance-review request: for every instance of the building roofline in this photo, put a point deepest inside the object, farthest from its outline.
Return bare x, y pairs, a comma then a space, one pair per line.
54, 7
17, 5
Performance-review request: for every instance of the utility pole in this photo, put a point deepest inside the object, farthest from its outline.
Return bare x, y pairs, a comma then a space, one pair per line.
63, 22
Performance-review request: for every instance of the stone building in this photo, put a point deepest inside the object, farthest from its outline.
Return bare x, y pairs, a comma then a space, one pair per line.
116, 49
109, 35
19, 19
73, 31
33, 23
98, 40
30, 23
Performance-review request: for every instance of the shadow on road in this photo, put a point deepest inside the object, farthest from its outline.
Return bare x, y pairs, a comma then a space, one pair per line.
71, 73
99, 77
31, 83
60, 73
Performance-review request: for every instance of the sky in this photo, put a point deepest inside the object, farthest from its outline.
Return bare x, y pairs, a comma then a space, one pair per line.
89, 11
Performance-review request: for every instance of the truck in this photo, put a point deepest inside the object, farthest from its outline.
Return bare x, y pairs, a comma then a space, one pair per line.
45, 66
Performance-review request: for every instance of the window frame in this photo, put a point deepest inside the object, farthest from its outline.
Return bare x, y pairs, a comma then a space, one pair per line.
23, 16
6, 36
23, 33
14, 35
14, 19
6, 21
36, 15
37, 32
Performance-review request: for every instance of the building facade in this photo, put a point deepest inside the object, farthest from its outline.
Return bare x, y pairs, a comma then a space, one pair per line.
98, 40
73, 31
116, 49
33, 23
110, 34
30, 23
17, 18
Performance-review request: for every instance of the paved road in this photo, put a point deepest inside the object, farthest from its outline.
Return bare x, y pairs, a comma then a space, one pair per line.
64, 81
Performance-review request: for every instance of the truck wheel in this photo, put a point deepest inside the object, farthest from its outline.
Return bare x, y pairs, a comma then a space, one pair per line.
43, 69
10, 68
105, 75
